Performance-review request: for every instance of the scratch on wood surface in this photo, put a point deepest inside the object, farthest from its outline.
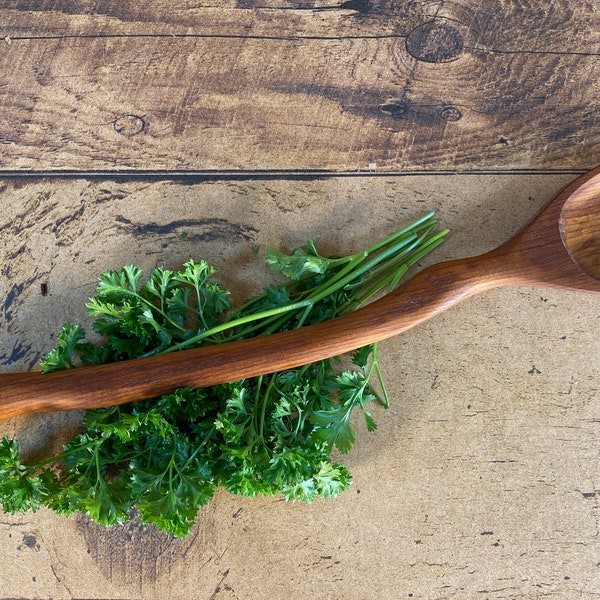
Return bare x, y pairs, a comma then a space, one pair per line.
224, 590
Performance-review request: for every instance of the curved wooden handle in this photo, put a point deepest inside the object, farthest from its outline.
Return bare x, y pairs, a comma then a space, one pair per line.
430, 292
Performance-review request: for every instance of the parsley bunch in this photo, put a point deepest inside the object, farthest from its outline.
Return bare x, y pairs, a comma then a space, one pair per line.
163, 458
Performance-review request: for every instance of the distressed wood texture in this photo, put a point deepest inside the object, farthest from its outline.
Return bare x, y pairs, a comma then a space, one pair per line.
482, 480
559, 249
340, 86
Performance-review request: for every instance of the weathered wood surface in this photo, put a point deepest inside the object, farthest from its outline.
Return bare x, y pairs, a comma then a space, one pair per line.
341, 86
482, 479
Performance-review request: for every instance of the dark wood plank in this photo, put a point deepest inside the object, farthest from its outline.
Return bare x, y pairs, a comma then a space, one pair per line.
358, 86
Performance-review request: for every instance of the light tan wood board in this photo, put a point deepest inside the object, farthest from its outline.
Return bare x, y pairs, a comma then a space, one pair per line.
482, 479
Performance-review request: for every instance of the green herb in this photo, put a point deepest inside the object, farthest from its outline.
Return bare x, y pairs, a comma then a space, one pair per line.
163, 458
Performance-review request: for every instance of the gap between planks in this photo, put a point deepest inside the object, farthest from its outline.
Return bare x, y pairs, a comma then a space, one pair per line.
307, 174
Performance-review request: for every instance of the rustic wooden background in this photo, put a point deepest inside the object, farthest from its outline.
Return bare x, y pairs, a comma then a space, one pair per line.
149, 132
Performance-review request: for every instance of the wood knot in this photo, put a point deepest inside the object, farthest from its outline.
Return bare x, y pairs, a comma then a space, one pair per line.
436, 41
129, 125
395, 108
450, 113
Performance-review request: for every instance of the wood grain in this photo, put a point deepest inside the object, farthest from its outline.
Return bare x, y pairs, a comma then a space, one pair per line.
252, 86
536, 256
482, 478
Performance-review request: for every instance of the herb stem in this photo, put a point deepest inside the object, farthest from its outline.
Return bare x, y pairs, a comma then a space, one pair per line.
235, 323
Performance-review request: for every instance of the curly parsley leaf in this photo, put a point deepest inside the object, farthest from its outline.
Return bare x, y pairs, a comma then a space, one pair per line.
300, 264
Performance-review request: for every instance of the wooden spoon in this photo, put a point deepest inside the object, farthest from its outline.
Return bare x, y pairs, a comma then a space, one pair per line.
560, 248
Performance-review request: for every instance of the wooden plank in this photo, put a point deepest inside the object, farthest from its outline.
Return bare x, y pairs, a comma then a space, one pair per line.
532, 28
481, 480
394, 87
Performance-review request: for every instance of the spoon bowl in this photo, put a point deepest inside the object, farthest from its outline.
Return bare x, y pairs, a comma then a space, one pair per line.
579, 226
560, 248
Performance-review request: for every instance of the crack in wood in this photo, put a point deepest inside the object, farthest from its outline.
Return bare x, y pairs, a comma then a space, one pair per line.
208, 36
293, 38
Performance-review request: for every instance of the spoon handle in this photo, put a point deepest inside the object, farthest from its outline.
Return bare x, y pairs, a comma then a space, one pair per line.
430, 292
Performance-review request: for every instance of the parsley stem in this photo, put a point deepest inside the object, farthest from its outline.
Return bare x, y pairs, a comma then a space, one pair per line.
346, 275
390, 273
62, 455
162, 312
235, 323
424, 221
354, 259
395, 248
265, 401
97, 462
385, 401
320, 295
